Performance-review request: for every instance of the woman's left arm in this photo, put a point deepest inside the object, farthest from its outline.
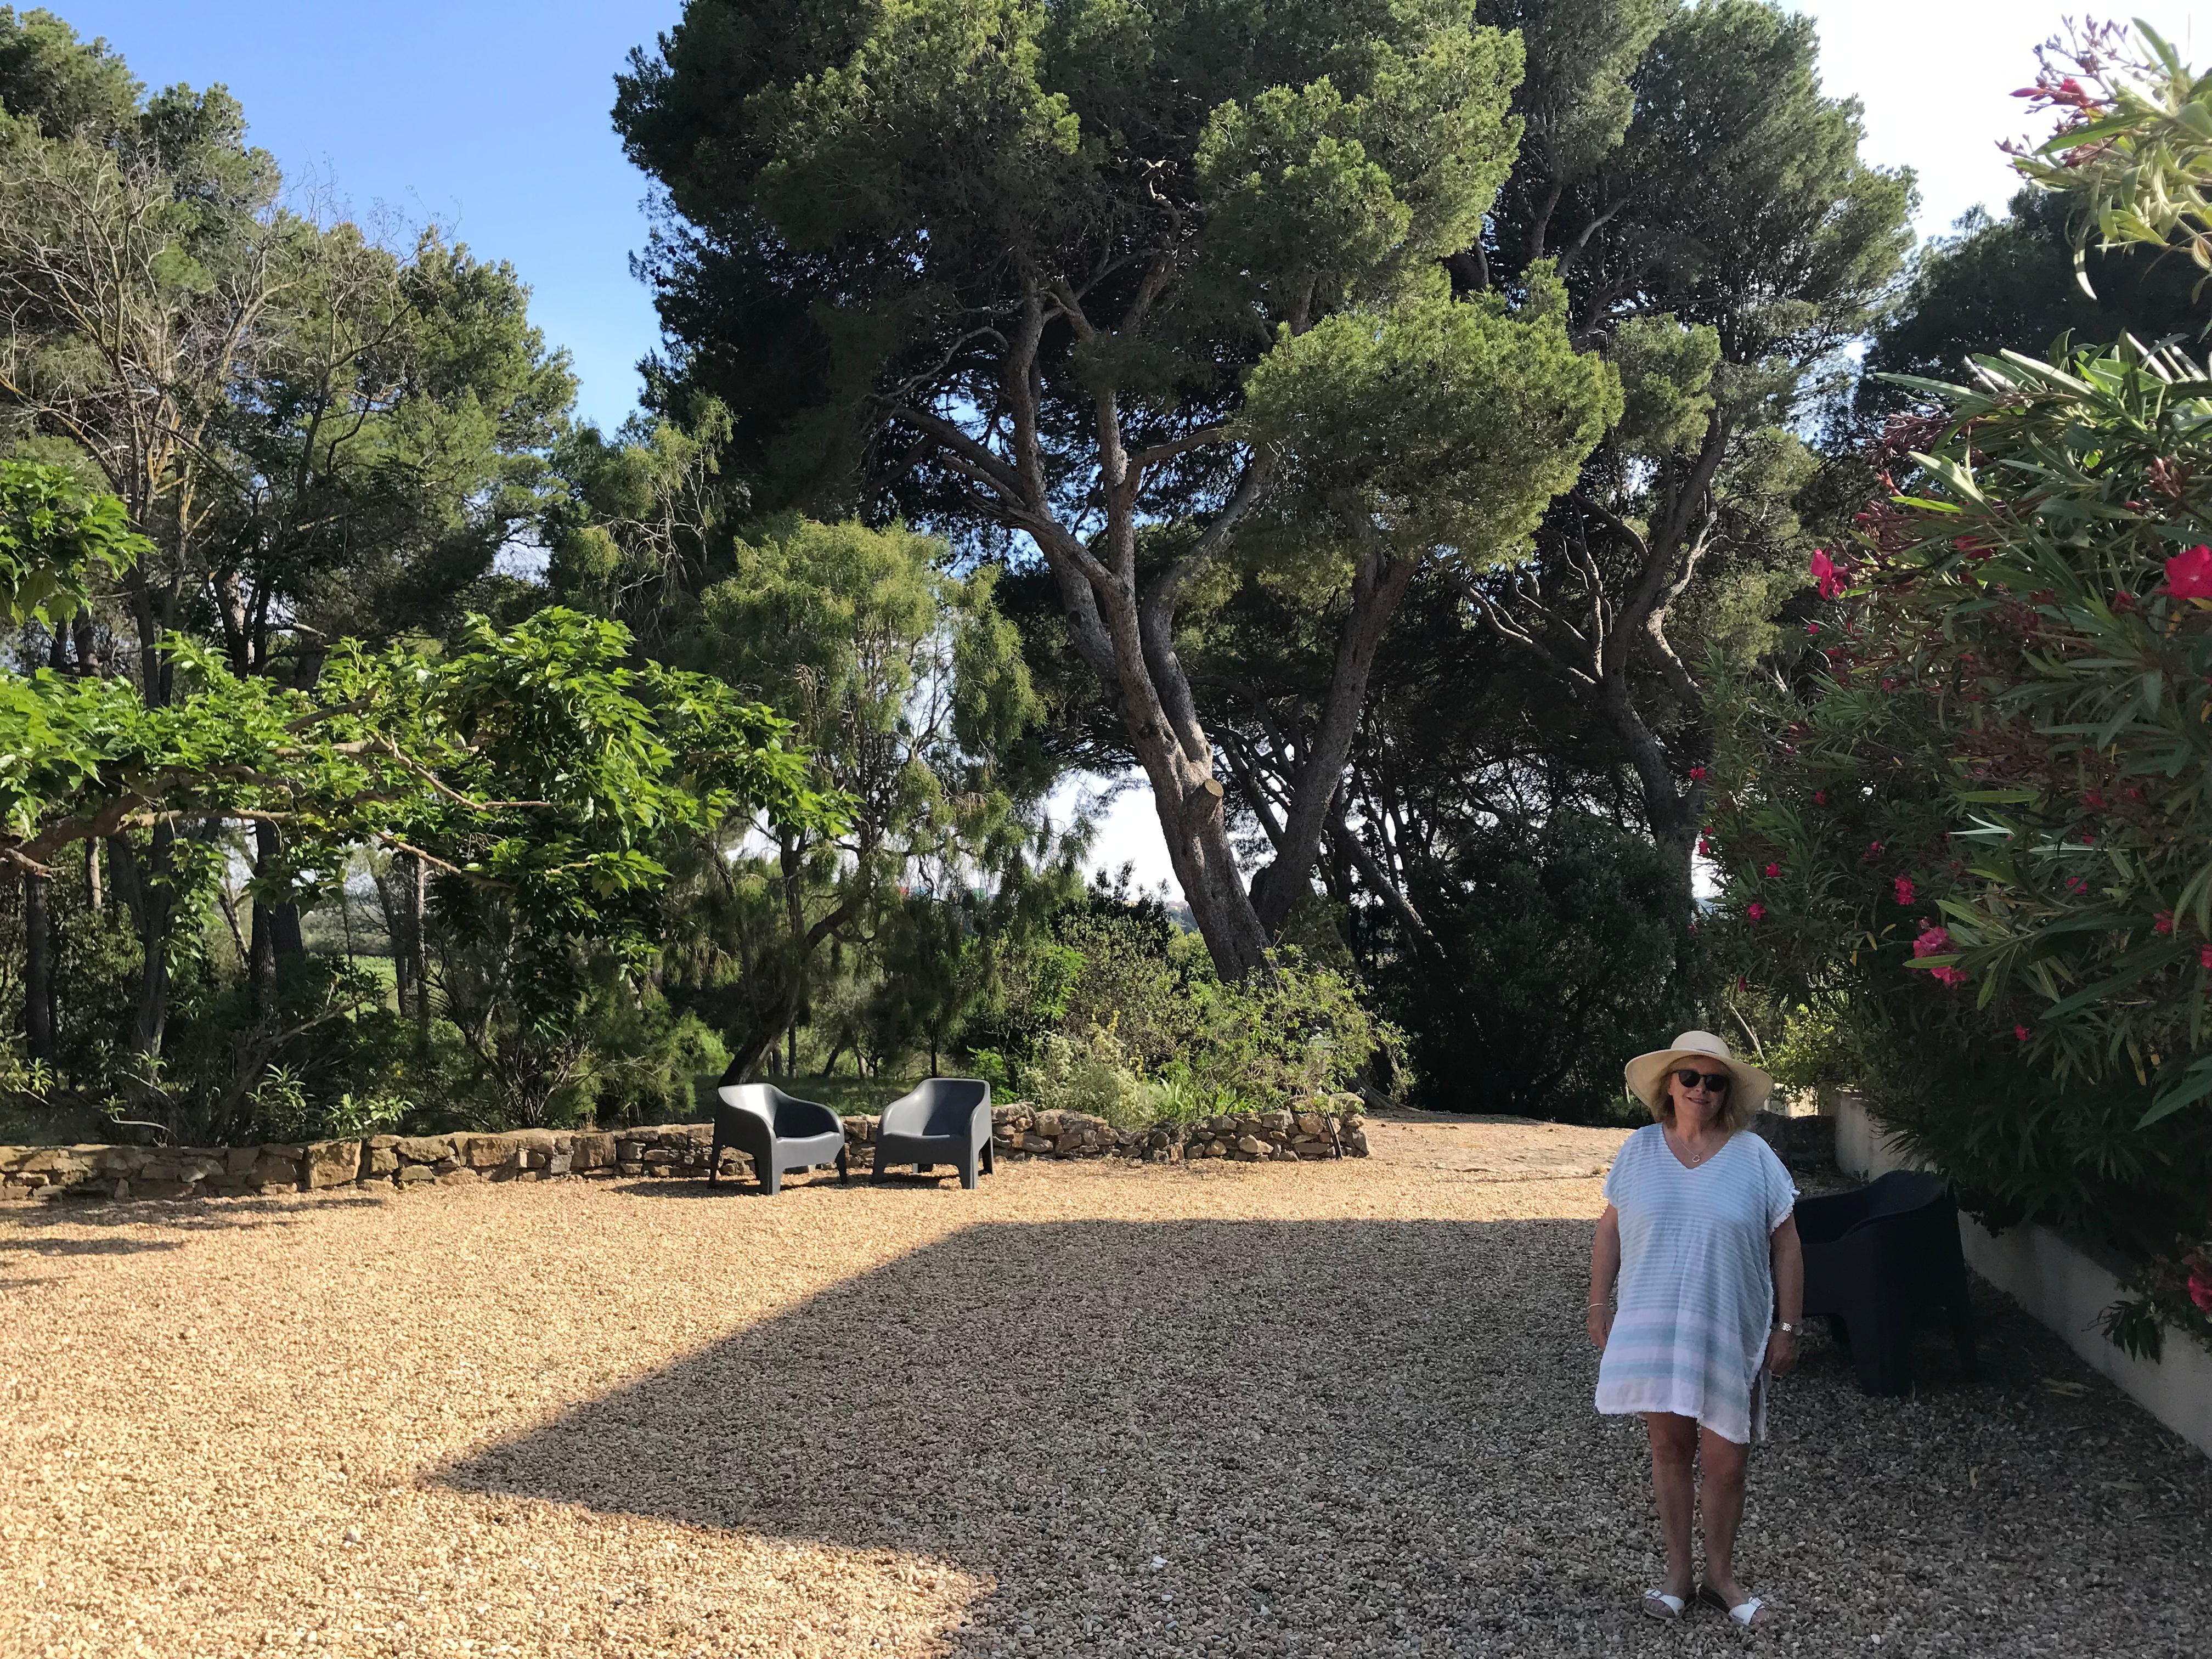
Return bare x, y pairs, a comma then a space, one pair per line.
1787, 1256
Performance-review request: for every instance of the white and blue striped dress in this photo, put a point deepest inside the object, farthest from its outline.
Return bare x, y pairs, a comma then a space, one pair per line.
1697, 1283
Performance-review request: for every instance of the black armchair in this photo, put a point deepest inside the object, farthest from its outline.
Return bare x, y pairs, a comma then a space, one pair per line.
946, 1120
778, 1131
1876, 1261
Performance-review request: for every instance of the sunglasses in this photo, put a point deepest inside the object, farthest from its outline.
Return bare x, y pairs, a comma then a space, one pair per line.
1690, 1077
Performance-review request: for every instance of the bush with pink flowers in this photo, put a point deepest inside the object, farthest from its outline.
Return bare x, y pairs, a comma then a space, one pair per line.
1970, 829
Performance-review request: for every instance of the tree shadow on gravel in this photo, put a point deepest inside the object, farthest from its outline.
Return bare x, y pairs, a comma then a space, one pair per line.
26, 1222
1368, 1437
34, 1246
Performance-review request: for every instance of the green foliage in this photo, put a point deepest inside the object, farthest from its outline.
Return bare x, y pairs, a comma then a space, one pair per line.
1136, 975
2133, 153
56, 538
1666, 371
1431, 422
1278, 1040
2009, 284
1559, 955
57, 84
1091, 1073
1978, 822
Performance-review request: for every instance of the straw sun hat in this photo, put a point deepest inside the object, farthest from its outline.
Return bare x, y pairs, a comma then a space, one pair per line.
1647, 1073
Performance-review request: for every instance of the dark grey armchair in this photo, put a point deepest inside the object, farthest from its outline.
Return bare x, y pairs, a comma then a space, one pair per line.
1877, 1260
946, 1120
778, 1131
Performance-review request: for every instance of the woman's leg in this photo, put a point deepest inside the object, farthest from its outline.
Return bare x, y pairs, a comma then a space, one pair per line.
1673, 1450
1721, 1497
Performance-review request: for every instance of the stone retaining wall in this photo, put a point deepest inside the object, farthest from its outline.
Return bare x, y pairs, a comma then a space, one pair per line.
36, 1173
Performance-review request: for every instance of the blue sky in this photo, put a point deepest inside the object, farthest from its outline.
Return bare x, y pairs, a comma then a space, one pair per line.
491, 118
487, 116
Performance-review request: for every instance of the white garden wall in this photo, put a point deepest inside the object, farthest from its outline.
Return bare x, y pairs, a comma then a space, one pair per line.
2060, 1285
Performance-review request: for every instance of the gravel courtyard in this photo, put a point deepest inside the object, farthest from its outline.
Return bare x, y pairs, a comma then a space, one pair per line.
1089, 1409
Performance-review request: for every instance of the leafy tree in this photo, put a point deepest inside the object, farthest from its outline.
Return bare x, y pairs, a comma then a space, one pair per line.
1140, 293
539, 774
56, 83
637, 532
908, 690
317, 437
1721, 241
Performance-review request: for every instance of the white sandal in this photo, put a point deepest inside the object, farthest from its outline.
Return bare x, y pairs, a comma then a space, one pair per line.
1744, 1615
1657, 1604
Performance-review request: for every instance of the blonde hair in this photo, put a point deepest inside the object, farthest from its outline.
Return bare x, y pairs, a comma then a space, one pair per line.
1736, 1110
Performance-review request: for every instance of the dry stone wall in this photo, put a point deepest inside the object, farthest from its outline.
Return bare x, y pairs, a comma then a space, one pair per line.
668, 1150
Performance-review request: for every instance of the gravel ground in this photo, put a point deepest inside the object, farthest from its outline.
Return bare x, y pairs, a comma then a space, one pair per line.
1090, 1409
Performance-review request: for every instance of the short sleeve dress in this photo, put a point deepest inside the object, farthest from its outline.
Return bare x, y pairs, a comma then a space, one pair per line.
1697, 1284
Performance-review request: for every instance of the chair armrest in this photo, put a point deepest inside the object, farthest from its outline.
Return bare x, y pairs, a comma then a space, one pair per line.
903, 1116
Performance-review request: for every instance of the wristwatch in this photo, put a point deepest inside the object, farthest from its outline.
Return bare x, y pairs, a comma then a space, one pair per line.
1784, 1325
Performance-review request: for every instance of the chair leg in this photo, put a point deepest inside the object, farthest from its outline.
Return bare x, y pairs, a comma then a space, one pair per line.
714, 1161
967, 1168
844, 1169
771, 1175
1881, 1351
991, 1156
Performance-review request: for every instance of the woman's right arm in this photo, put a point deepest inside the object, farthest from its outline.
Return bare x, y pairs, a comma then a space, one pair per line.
1605, 1268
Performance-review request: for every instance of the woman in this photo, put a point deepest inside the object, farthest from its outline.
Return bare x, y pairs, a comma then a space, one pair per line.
1700, 1234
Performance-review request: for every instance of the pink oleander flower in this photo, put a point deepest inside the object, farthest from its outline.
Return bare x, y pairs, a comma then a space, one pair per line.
1821, 796
1953, 977
2205, 956
2200, 1291
1756, 911
1934, 941
2021, 1032
1773, 870
1903, 887
1811, 629
2093, 799
1697, 774
1826, 574
2162, 922
1704, 848
2189, 576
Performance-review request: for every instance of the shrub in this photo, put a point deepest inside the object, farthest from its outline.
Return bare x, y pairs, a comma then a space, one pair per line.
1091, 1074
1977, 825
1559, 958
1981, 822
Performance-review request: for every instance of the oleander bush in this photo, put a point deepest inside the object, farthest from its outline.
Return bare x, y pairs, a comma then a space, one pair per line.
1976, 822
